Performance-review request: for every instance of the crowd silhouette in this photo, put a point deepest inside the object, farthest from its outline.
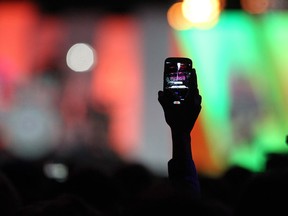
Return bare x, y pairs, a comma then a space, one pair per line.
131, 189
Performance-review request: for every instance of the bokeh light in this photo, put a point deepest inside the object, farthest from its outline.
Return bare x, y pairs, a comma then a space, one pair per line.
80, 57
201, 12
176, 19
57, 171
33, 132
255, 6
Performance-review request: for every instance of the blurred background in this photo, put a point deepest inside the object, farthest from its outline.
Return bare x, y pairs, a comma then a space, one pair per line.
79, 79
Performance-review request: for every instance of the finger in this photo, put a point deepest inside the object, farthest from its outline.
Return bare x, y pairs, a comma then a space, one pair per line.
164, 98
198, 102
160, 97
193, 83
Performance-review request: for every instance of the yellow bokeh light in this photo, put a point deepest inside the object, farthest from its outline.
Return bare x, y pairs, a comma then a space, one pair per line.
201, 12
176, 19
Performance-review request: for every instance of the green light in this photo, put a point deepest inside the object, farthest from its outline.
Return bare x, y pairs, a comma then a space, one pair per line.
241, 65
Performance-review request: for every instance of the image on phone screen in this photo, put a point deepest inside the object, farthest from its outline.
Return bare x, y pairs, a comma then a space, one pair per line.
177, 74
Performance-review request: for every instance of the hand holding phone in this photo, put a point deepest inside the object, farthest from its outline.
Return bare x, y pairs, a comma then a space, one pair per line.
180, 98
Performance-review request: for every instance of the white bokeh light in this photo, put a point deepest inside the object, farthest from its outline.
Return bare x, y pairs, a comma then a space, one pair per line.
80, 57
200, 11
32, 131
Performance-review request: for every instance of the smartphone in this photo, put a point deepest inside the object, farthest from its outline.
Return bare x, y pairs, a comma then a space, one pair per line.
177, 77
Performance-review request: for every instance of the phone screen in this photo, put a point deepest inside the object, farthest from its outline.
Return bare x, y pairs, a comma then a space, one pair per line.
177, 74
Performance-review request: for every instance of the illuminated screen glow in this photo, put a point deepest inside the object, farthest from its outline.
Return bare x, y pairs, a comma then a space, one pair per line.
241, 65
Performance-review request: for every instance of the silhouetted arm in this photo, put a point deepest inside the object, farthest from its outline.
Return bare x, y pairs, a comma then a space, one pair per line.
181, 119
181, 168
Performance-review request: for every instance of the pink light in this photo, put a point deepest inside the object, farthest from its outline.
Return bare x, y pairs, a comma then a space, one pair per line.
117, 79
17, 25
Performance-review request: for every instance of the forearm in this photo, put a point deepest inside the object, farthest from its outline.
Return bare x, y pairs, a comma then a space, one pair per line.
181, 168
